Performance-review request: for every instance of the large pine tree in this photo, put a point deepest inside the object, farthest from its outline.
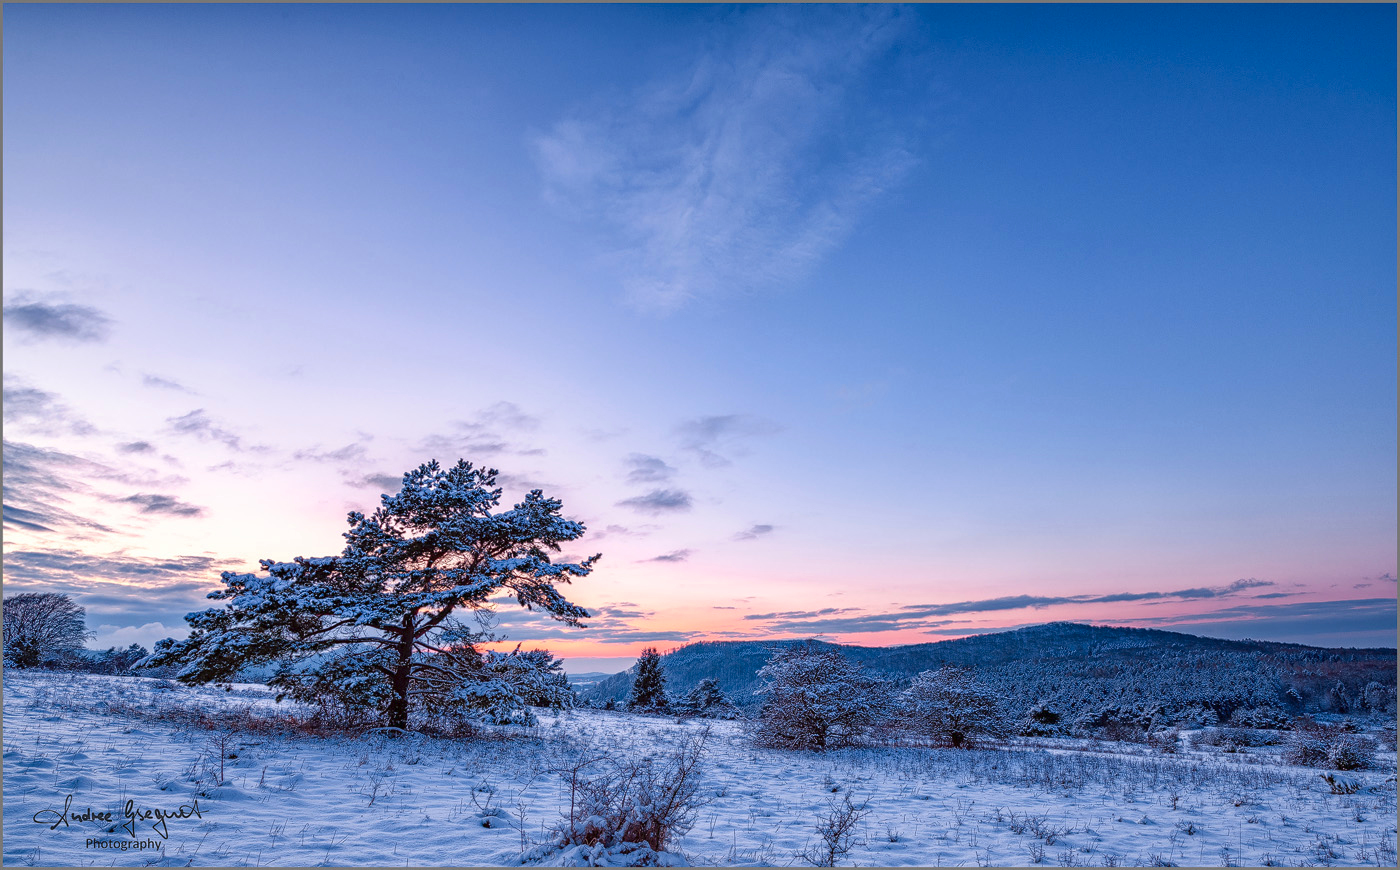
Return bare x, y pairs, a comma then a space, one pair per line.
374, 627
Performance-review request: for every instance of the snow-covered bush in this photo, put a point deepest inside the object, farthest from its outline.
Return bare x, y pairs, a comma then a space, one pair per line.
1351, 752
629, 814
1379, 698
949, 706
1317, 745
1166, 741
111, 660
536, 676
1259, 717
1041, 720
1234, 739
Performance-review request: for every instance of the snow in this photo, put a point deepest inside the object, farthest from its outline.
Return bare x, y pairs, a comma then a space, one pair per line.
301, 800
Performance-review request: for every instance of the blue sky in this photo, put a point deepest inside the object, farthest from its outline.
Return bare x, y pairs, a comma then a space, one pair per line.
834, 312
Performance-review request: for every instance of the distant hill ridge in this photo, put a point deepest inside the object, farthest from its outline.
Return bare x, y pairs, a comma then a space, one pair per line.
1075, 666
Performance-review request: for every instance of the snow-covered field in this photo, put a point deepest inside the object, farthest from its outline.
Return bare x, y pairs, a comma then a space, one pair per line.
377, 800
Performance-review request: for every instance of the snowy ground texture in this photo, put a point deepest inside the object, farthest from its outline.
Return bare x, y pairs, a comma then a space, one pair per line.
377, 800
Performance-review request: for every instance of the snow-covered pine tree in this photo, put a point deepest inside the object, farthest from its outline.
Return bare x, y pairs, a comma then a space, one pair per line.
374, 627
817, 699
708, 701
648, 693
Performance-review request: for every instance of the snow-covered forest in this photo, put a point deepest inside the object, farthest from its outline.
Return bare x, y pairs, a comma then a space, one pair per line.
1093, 674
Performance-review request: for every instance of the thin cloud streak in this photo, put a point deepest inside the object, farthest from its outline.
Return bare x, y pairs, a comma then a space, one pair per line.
924, 617
161, 383
1018, 602
754, 532
165, 505
677, 556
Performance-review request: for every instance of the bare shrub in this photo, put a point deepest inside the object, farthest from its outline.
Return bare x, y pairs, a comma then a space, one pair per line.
633, 802
837, 831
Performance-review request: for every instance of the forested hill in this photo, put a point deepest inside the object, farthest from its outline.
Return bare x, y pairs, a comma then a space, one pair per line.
1078, 667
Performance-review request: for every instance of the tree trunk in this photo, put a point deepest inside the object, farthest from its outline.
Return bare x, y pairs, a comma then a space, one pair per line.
398, 706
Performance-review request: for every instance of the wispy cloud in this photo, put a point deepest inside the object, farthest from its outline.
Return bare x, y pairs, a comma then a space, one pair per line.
647, 469
38, 319
57, 492
752, 532
165, 505
199, 425
659, 501
20, 518
707, 436
387, 483
676, 556
494, 430
744, 170
615, 530
160, 383
37, 410
349, 453
1018, 602
799, 614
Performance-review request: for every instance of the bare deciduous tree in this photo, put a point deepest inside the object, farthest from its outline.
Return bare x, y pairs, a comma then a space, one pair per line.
42, 627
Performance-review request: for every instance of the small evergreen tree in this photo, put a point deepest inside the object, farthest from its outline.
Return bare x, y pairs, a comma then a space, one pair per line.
649, 685
708, 701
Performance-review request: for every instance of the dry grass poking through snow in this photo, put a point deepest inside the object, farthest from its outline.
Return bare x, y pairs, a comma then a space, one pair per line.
270, 793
